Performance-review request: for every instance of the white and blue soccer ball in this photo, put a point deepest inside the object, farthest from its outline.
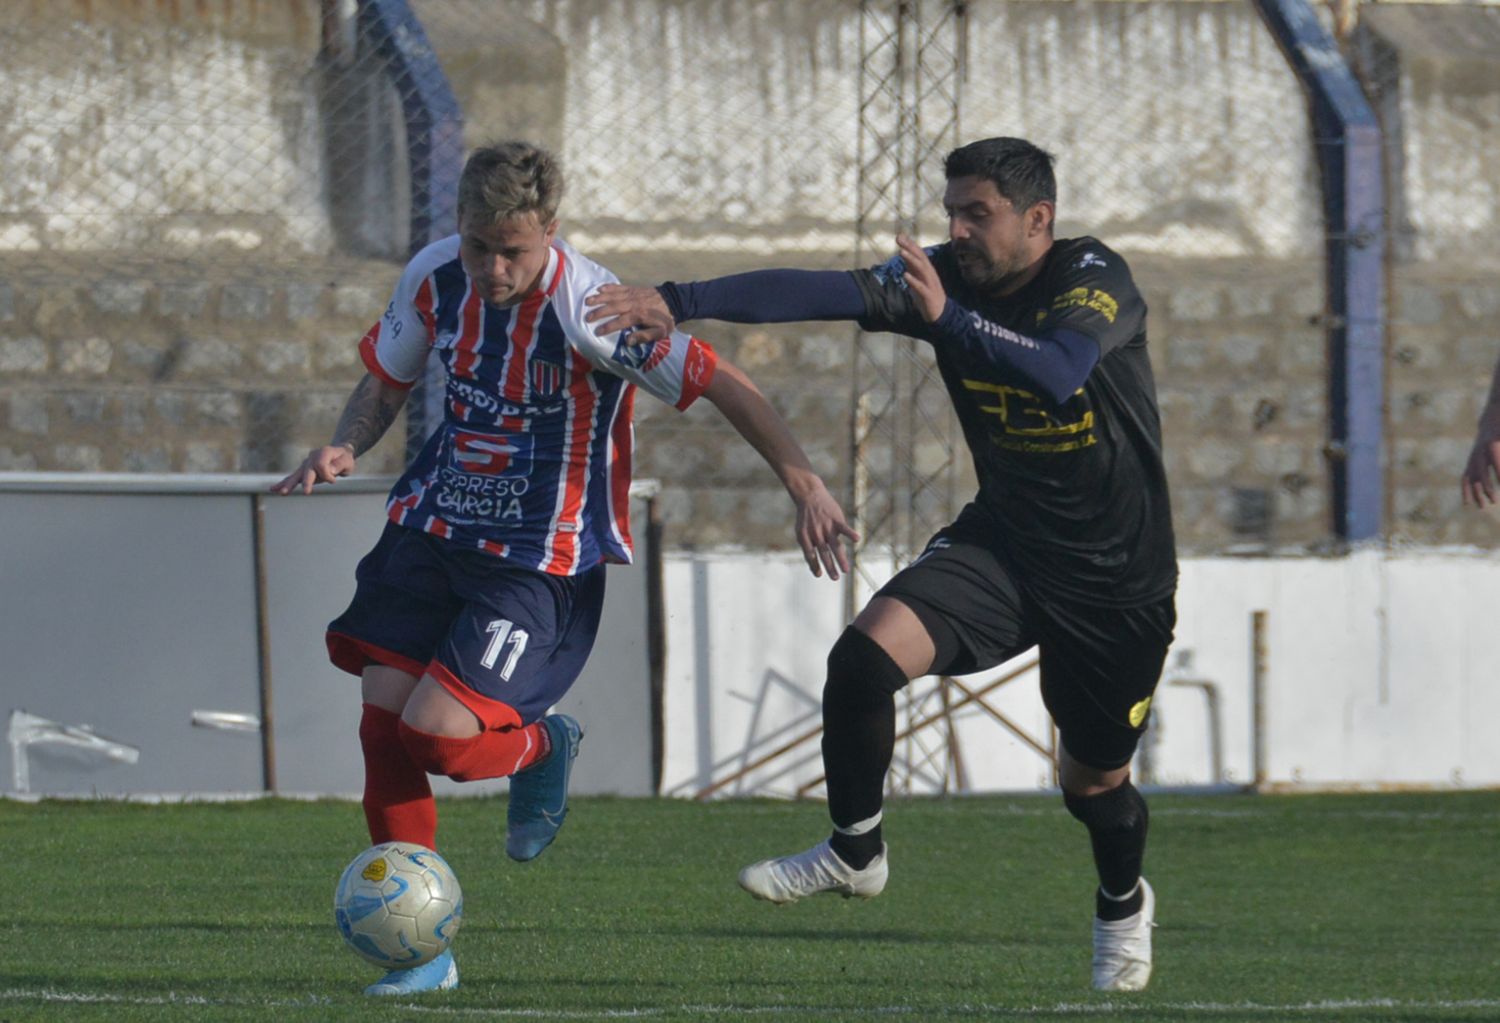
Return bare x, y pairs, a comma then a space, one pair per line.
398, 904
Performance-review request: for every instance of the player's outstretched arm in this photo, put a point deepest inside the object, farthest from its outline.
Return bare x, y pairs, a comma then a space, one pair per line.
821, 527
369, 412
640, 312
760, 296
1483, 468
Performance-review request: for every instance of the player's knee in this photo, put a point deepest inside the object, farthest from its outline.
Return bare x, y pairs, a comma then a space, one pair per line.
1120, 809
379, 729
438, 754
860, 671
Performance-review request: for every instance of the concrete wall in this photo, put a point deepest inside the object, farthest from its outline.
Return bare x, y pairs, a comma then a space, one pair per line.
1433, 75
733, 147
1379, 672
130, 606
88, 166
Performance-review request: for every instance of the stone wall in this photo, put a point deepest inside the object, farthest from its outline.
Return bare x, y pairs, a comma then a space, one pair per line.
150, 362
147, 370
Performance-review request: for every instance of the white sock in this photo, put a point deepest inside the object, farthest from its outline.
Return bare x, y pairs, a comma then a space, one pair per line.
1121, 898
861, 827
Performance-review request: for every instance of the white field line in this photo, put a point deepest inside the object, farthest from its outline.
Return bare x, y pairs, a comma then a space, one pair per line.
1101, 1008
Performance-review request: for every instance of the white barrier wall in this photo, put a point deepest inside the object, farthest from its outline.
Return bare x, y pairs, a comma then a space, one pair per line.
131, 609
1379, 671
136, 656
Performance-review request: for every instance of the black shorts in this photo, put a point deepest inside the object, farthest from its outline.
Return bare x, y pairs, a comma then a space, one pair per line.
507, 642
1099, 665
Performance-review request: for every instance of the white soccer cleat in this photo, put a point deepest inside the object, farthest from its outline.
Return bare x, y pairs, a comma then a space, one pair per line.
1122, 948
788, 878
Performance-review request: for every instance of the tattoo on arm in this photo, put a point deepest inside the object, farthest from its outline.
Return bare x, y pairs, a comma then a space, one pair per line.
370, 411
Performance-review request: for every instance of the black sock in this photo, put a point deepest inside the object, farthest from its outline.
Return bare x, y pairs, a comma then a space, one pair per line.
857, 850
1117, 821
859, 737
1106, 908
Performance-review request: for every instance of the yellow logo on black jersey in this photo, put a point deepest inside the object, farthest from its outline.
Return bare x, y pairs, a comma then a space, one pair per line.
1028, 424
1102, 302
1138, 712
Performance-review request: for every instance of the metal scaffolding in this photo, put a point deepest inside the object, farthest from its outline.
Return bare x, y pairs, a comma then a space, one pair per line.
904, 443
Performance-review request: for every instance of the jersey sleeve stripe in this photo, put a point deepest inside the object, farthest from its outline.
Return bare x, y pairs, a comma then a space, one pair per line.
621, 456
697, 371
368, 356
423, 301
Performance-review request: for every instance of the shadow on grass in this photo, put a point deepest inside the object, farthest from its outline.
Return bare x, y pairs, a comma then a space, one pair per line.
812, 933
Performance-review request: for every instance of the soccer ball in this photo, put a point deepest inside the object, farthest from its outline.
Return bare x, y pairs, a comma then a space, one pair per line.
398, 905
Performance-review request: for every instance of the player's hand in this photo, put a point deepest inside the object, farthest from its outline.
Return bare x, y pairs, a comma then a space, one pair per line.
641, 313
821, 530
922, 278
1483, 468
322, 465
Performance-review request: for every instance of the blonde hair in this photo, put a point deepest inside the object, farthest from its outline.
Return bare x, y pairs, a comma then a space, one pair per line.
508, 179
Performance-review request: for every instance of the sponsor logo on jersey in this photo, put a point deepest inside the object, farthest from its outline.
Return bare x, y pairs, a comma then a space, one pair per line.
1089, 259
892, 270
996, 330
940, 543
696, 368
645, 357
491, 454
1101, 302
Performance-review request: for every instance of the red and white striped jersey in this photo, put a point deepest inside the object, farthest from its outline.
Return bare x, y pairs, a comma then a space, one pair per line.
532, 462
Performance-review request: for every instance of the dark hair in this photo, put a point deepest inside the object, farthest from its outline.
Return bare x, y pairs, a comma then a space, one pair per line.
1020, 171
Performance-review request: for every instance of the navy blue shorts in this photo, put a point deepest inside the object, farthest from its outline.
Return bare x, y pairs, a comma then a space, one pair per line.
507, 642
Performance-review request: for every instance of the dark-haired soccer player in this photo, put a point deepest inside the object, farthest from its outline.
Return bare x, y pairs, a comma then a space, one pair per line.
1067, 547
476, 610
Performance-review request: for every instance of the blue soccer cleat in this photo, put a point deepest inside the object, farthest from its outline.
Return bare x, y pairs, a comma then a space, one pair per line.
539, 794
439, 975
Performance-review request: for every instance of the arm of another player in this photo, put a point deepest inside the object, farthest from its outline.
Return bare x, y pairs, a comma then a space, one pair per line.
369, 412
760, 296
1057, 362
820, 521
1484, 457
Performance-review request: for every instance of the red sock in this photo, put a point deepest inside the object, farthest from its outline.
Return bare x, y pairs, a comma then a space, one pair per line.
498, 753
398, 799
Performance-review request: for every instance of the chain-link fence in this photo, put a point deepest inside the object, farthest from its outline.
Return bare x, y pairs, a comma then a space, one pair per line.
205, 205
1433, 77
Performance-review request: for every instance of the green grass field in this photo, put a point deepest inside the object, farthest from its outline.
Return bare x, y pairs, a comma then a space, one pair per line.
1329, 908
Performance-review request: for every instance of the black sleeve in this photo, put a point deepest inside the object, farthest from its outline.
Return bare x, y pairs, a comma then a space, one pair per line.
889, 303
1096, 296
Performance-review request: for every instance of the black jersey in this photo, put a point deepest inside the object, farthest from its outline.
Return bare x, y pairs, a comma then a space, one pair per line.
1074, 494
